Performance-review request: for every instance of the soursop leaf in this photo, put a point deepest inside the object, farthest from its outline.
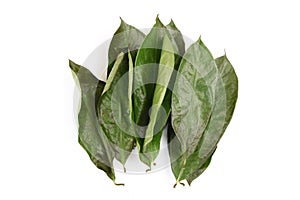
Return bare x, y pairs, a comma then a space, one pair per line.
90, 135
145, 76
161, 101
115, 108
126, 38
192, 105
225, 101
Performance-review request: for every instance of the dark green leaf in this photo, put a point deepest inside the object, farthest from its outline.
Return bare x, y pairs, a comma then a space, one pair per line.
192, 105
161, 105
159, 115
151, 147
145, 75
115, 108
177, 39
227, 93
90, 135
175, 150
199, 171
126, 38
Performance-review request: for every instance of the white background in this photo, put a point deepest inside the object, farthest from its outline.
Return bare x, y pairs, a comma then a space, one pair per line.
258, 157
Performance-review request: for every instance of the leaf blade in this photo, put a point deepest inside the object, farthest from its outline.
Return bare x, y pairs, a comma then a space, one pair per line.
90, 134
227, 90
145, 75
126, 38
115, 109
159, 113
192, 103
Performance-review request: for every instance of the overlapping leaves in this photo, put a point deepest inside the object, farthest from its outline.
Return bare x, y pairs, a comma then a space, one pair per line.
153, 84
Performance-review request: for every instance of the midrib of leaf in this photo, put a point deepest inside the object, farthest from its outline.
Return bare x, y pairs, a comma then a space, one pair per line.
130, 85
165, 70
199, 48
113, 72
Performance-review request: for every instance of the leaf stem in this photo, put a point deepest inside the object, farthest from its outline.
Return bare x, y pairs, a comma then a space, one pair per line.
119, 184
148, 170
177, 184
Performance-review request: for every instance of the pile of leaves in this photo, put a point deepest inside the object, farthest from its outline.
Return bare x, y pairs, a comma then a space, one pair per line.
154, 83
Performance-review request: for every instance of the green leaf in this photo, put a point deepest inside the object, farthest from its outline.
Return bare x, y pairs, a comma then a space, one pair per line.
90, 135
151, 51
145, 75
230, 83
192, 105
160, 105
172, 52
199, 171
115, 108
227, 93
175, 150
179, 50
176, 38
126, 38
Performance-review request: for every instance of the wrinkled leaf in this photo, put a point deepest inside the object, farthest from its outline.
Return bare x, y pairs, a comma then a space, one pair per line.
145, 75
159, 114
199, 171
227, 93
126, 38
192, 104
176, 150
176, 38
172, 52
135, 104
179, 50
115, 108
90, 135
150, 149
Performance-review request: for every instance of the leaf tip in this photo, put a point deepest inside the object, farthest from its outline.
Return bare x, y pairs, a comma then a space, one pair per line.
172, 24
74, 67
189, 182
123, 23
157, 16
199, 40
70, 62
158, 22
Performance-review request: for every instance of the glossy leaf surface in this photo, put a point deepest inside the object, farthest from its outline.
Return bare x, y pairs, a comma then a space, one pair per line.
145, 75
172, 52
192, 105
159, 114
126, 38
227, 93
90, 135
115, 108
176, 38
